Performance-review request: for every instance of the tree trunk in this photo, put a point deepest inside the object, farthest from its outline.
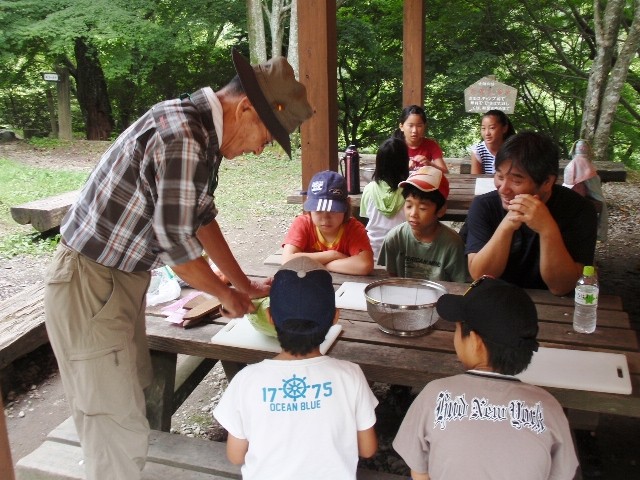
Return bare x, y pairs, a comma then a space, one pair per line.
608, 72
277, 20
292, 54
92, 92
63, 89
53, 117
255, 27
614, 86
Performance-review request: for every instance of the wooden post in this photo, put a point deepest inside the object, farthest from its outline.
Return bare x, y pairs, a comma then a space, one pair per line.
6, 464
53, 121
64, 105
413, 52
317, 50
159, 395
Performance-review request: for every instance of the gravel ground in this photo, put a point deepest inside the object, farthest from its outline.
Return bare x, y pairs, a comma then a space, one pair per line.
35, 402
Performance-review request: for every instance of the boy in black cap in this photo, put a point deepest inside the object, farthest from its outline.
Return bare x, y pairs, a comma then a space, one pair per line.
486, 424
300, 414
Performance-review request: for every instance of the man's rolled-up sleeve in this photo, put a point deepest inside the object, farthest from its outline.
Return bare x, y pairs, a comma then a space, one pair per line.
183, 203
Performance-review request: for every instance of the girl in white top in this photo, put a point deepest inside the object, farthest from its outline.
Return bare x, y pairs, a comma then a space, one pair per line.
495, 129
382, 200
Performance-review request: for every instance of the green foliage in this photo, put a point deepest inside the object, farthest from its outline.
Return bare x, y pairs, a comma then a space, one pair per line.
32, 243
369, 71
150, 51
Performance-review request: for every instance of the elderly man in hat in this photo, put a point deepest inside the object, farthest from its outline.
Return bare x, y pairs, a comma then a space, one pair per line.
150, 202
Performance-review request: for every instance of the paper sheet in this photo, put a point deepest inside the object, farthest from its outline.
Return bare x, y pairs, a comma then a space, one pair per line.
484, 185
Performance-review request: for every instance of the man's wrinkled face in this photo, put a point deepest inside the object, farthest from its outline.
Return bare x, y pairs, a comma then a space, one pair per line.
249, 135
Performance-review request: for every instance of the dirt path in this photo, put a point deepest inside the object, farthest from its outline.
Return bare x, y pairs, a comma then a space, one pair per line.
36, 402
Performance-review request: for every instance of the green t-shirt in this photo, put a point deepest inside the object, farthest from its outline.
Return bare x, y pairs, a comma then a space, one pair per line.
442, 259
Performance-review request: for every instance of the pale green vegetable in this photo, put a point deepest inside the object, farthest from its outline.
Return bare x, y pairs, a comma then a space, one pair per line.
259, 318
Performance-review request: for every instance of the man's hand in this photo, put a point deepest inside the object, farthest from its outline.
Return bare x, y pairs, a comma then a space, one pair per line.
511, 222
532, 211
234, 303
260, 289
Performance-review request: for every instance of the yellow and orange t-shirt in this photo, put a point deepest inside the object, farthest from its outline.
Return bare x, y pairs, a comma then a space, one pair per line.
304, 235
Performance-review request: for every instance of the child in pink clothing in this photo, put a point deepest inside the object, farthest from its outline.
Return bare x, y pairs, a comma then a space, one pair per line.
423, 152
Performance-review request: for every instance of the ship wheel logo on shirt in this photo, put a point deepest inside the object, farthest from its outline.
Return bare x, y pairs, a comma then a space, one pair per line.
294, 387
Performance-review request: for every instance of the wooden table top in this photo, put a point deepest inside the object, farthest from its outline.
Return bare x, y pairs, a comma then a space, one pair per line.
414, 361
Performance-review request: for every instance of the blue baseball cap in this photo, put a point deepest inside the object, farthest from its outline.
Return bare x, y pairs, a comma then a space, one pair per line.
327, 192
302, 289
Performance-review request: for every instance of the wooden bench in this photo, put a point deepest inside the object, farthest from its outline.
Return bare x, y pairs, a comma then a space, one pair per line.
170, 456
22, 327
22, 330
607, 171
44, 214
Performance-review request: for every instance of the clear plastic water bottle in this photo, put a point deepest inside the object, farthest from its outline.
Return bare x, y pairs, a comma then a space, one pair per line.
585, 314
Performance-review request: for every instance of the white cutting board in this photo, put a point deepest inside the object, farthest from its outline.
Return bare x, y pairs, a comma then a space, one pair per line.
240, 333
579, 370
350, 295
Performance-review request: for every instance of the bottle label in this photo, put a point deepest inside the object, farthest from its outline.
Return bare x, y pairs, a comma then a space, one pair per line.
587, 296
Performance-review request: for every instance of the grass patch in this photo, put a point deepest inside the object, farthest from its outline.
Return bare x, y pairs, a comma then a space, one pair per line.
47, 142
257, 187
32, 243
20, 184
252, 189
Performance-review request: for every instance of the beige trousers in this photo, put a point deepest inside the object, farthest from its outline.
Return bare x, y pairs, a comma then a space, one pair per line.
96, 325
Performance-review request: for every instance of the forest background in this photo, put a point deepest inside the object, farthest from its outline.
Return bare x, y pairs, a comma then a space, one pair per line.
574, 63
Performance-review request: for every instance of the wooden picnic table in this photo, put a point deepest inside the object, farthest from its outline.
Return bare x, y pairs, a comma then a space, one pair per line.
608, 171
462, 187
461, 193
411, 361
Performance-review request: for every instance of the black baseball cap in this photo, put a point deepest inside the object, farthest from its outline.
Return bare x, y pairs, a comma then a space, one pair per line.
500, 312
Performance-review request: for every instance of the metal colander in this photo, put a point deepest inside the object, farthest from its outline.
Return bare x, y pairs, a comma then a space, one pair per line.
403, 306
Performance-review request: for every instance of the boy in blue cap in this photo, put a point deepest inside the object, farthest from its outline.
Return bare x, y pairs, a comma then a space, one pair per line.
327, 232
300, 414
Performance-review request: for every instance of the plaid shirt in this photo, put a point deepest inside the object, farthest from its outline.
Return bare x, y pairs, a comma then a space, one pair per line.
149, 194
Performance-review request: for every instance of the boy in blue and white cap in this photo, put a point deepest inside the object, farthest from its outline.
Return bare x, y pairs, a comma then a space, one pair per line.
326, 232
300, 414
